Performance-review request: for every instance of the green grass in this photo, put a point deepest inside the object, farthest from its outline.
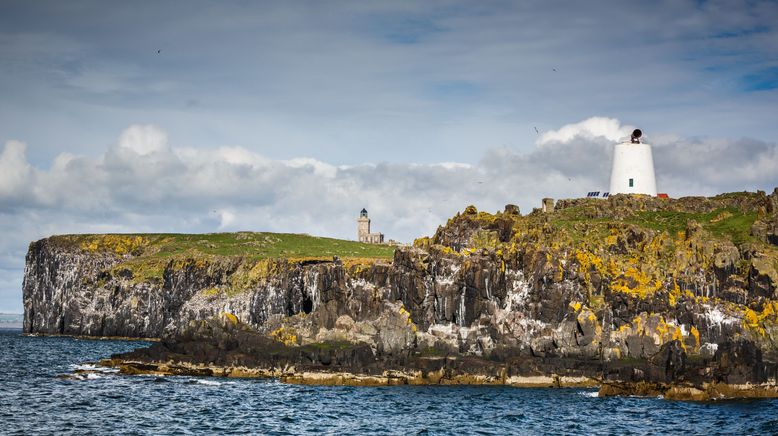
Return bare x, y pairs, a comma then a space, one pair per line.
270, 245
668, 221
737, 227
728, 223
146, 256
252, 245
576, 222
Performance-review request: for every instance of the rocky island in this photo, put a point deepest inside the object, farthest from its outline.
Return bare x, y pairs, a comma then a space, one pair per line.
634, 294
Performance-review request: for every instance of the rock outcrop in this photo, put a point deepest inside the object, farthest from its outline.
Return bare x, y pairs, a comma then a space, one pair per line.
637, 293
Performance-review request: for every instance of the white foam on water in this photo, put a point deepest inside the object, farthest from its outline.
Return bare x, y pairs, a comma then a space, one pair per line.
94, 368
209, 382
83, 367
593, 394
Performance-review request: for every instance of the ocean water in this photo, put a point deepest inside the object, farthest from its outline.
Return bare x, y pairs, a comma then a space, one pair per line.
35, 400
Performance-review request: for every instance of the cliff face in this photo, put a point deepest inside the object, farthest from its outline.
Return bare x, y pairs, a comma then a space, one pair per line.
674, 287
68, 290
152, 285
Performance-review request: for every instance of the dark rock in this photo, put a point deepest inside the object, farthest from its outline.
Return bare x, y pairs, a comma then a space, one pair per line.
599, 288
512, 209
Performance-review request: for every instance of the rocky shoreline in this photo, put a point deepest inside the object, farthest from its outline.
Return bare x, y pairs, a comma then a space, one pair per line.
322, 378
676, 391
688, 392
93, 338
233, 349
671, 297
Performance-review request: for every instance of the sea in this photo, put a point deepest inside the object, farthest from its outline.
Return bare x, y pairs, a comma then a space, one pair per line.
38, 395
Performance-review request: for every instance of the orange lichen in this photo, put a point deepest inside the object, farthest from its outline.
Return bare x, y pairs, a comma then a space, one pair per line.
637, 283
285, 335
230, 317
756, 321
678, 336
118, 244
696, 334
408, 319
588, 261
675, 293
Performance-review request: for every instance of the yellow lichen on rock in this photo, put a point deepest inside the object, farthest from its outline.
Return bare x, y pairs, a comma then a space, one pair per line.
696, 334
678, 336
423, 242
358, 265
674, 293
637, 283
588, 261
285, 335
249, 275
117, 244
232, 319
757, 322
408, 319
210, 292
721, 216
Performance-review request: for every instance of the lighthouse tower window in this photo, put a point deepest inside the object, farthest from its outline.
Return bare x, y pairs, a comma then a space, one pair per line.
631, 183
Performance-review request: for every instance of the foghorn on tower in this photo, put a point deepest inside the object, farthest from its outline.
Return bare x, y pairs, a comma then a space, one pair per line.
633, 167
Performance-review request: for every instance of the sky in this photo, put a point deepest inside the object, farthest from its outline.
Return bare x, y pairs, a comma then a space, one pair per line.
291, 116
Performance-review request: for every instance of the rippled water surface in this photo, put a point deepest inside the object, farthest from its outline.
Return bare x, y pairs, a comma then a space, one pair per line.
34, 400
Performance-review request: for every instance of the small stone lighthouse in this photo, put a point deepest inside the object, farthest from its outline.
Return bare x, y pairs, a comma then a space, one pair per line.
633, 167
363, 230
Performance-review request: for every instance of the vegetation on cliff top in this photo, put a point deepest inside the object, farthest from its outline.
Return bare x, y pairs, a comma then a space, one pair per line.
254, 245
663, 252
146, 256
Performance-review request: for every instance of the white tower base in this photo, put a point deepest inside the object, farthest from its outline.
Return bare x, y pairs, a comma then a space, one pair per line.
633, 170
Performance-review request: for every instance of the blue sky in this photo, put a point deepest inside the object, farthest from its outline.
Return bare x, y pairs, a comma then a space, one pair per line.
312, 110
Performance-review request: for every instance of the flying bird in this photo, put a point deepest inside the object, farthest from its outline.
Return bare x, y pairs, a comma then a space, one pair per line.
536, 131
554, 69
159, 51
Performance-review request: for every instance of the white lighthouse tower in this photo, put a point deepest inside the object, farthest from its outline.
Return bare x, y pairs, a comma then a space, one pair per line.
633, 168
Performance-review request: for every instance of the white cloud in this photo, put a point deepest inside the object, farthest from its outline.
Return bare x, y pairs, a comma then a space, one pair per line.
319, 168
144, 139
592, 128
15, 172
226, 218
351, 82
146, 184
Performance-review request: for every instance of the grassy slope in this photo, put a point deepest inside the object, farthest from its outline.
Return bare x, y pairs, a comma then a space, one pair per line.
250, 245
146, 255
726, 223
